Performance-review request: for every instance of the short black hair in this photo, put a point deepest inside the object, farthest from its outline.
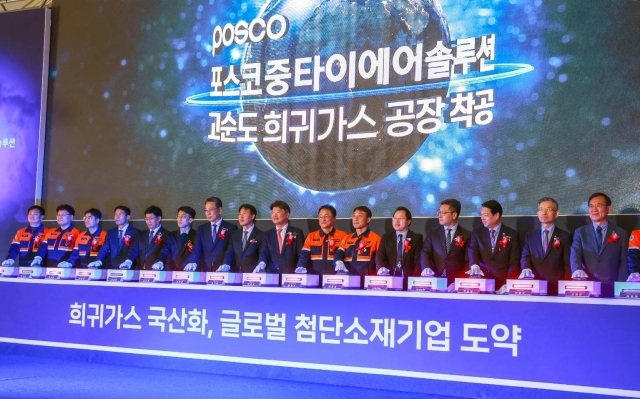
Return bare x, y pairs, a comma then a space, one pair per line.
329, 208
282, 205
607, 200
123, 208
364, 209
453, 204
406, 211
38, 207
252, 209
494, 206
154, 210
188, 210
94, 212
215, 200
66, 207
548, 199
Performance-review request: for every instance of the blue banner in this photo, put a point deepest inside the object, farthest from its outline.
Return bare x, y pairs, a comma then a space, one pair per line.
516, 341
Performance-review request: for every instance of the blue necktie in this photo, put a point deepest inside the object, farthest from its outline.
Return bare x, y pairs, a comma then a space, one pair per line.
214, 229
120, 234
599, 237
399, 258
448, 240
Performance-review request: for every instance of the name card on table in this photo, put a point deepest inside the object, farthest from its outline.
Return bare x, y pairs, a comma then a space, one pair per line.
188, 277
526, 287
31, 272
427, 284
91, 274
155, 276
385, 283
579, 288
59, 273
341, 281
475, 285
261, 279
224, 278
9, 271
301, 280
629, 290
122, 275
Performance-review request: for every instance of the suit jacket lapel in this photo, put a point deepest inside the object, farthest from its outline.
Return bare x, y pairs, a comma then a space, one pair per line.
608, 234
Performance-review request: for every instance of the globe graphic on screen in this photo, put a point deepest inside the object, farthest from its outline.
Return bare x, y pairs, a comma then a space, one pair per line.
325, 28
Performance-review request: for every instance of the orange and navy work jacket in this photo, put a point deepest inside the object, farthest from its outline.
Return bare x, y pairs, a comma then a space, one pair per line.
318, 251
359, 252
26, 243
87, 248
58, 245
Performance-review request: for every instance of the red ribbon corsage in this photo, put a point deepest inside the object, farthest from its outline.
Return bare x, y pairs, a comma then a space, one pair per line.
158, 238
613, 237
68, 240
94, 243
504, 241
290, 238
190, 246
361, 248
127, 240
407, 246
222, 234
459, 241
556, 242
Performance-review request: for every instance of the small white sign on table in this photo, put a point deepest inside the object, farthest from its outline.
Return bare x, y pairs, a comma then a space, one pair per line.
60, 273
526, 287
341, 281
301, 280
627, 289
579, 288
224, 278
9, 271
261, 279
427, 284
183, 277
385, 283
92, 274
475, 285
123, 275
155, 276
31, 272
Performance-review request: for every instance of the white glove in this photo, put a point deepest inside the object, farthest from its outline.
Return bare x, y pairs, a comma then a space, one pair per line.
126, 264
579, 274
301, 270
634, 277
502, 290
525, 274
341, 268
260, 268
224, 268
36, 261
8, 262
158, 266
190, 267
95, 263
65, 264
427, 273
474, 271
383, 271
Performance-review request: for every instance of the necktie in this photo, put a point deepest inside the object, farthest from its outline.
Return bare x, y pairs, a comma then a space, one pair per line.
120, 234
213, 232
399, 248
150, 237
279, 239
448, 240
545, 240
599, 237
245, 238
493, 239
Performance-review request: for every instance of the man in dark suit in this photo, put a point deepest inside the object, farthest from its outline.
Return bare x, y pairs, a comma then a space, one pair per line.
178, 245
244, 249
546, 251
152, 239
282, 244
120, 249
212, 239
494, 251
599, 249
445, 248
402, 247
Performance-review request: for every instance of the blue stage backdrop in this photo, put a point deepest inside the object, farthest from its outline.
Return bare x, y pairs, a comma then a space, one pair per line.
573, 345
345, 102
24, 60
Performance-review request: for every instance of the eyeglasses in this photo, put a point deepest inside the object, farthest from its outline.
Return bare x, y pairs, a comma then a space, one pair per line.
597, 206
442, 213
546, 210
63, 215
325, 216
399, 219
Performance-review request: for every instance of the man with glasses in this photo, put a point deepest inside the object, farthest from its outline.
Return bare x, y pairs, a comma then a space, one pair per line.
282, 244
89, 242
244, 249
357, 252
444, 253
546, 251
599, 249
179, 244
58, 244
120, 249
28, 239
151, 240
494, 250
320, 245
212, 239
402, 247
